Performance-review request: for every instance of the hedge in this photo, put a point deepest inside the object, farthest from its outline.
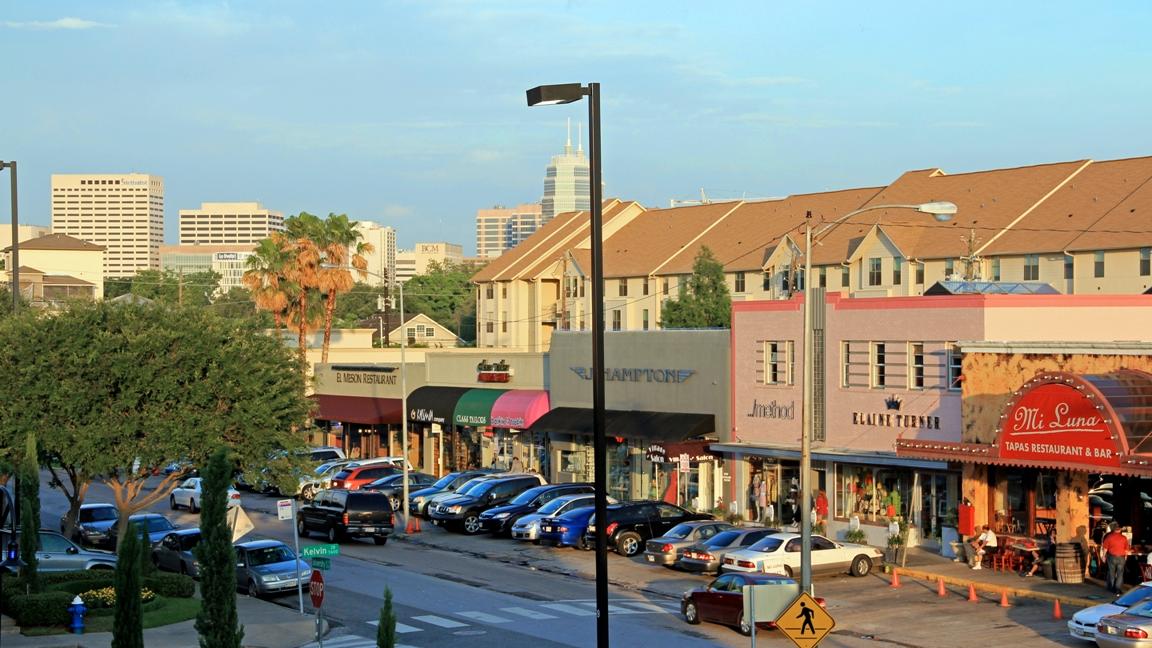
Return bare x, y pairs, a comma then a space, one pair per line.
46, 609
171, 585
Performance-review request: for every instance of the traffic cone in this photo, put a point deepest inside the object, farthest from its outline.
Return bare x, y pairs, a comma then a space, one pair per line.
940, 591
413, 525
895, 578
972, 593
1056, 609
1004, 599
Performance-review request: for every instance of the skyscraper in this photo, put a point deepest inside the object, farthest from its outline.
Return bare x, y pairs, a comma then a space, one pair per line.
220, 223
123, 212
566, 182
382, 259
503, 228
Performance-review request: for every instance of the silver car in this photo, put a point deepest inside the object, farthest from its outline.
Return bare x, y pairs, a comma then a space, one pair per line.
666, 549
266, 567
705, 557
174, 552
57, 553
1132, 628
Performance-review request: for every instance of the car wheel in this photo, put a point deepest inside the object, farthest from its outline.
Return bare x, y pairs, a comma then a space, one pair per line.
172, 502
691, 614
395, 502
307, 492
301, 528
380, 540
471, 524
861, 565
155, 561
192, 506
581, 544
628, 544
252, 589
333, 536
744, 626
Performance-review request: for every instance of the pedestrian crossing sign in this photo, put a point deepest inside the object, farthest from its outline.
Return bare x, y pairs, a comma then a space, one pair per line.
805, 622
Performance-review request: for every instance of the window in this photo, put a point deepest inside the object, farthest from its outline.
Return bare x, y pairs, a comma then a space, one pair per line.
645, 286
949, 268
823, 277
504, 326
504, 291
617, 320
1098, 267
1069, 266
664, 290
916, 366
786, 277
995, 269
1145, 262
778, 359
644, 319
897, 271
581, 290
874, 271
739, 282
489, 292
854, 364
622, 288
489, 327
877, 368
954, 367
766, 281
920, 273
1031, 267
845, 279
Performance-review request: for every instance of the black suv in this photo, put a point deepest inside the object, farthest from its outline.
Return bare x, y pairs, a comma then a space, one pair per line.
418, 500
463, 512
340, 514
631, 524
499, 520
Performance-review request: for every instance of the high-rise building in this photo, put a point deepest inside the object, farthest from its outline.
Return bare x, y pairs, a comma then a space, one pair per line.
228, 223
228, 261
502, 228
566, 182
410, 263
382, 259
122, 212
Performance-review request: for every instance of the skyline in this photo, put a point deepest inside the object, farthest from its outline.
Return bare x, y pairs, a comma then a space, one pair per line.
413, 115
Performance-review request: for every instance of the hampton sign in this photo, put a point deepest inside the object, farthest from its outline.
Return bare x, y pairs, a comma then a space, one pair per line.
638, 374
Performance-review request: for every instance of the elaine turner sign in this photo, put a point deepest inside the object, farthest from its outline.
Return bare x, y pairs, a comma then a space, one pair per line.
1057, 422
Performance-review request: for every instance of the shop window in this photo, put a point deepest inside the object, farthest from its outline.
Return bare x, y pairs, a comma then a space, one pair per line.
1031, 267
872, 494
1145, 262
916, 366
1098, 265
874, 266
854, 357
778, 362
739, 282
897, 271
877, 365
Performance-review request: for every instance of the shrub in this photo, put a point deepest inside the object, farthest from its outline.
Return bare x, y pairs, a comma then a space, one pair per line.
855, 536
105, 597
44, 609
171, 585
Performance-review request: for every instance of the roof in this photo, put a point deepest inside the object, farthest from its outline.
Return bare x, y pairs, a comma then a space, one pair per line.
65, 280
581, 238
57, 242
654, 237
991, 288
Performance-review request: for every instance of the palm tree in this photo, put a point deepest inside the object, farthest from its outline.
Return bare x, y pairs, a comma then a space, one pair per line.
341, 247
301, 275
265, 277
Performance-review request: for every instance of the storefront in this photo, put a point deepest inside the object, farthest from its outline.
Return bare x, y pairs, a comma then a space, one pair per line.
359, 407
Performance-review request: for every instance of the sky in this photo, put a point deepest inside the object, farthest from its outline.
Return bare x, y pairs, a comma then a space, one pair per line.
413, 113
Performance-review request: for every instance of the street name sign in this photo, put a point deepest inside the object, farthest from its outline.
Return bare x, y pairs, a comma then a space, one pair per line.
312, 551
321, 562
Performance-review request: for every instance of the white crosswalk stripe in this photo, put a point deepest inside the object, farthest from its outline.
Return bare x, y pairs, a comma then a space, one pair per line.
648, 607
483, 617
349, 641
440, 621
525, 612
568, 608
400, 627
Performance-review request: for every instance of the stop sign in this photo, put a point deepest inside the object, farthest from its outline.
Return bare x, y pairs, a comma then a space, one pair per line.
316, 588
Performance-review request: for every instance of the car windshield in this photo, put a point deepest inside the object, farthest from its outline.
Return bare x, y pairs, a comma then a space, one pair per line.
767, 545
269, 555
1142, 609
98, 514
555, 505
468, 486
527, 496
189, 541
1134, 596
481, 489
722, 539
679, 531
444, 481
154, 524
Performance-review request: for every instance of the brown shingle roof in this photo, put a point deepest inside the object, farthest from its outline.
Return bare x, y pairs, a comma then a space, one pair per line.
578, 240
56, 242
654, 237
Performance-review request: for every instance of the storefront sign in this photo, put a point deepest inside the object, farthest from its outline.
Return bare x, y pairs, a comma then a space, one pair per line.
516, 422
1057, 422
691, 451
424, 416
362, 377
638, 375
493, 372
887, 419
772, 410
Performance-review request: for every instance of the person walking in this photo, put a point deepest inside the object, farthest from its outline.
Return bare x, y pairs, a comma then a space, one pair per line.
1115, 546
762, 500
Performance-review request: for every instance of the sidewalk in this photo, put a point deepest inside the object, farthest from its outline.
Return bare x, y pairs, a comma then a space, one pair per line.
266, 625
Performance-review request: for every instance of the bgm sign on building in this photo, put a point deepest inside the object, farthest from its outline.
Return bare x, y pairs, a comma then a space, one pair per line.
1058, 422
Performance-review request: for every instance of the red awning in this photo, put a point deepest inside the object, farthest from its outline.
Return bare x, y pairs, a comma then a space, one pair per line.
357, 409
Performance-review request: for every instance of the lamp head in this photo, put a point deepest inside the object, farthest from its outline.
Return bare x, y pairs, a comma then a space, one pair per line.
561, 93
942, 211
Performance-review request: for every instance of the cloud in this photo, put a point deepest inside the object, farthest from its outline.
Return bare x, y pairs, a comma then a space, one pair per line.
217, 20
726, 79
68, 23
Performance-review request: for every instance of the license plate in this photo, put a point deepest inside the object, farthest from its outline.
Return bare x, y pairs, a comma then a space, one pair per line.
546, 529
591, 529
369, 529
1081, 633
651, 558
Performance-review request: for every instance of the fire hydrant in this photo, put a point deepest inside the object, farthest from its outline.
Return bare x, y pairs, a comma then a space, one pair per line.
77, 610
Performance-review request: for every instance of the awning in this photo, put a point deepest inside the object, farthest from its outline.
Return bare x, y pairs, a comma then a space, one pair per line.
518, 409
475, 406
671, 451
629, 424
840, 455
434, 404
357, 409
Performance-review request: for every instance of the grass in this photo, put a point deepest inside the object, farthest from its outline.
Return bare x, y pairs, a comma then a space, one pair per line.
173, 610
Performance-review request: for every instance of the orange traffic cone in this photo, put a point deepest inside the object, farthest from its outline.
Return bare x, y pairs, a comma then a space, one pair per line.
895, 578
940, 591
972, 593
413, 525
1056, 609
1004, 599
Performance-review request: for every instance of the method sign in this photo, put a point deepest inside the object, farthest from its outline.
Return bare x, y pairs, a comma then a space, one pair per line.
284, 509
320, 562
316, 589
320, 550
805, 622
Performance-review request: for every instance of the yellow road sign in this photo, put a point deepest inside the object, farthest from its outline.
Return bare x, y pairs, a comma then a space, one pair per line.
805, 622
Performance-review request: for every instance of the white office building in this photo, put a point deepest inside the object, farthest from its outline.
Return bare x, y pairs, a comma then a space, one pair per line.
382, 259
228, 223
121, 212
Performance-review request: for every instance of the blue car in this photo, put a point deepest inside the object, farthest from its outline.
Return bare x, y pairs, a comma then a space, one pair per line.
566, 530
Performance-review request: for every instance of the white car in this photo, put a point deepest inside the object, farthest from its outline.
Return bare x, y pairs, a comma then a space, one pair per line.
779, 553
190, 494
1082, 625
528, 526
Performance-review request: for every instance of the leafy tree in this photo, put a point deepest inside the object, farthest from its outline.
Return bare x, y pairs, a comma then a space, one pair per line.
358, 304
113, 389
445, 294
128, 628
706, 303
238, 303
386, 630
217, 622
173, 289
117, 286
30, 513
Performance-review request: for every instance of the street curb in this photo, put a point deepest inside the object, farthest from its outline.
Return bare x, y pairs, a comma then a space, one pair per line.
992, 589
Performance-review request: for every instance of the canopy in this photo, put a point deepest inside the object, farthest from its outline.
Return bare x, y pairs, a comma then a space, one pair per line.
518, 409
475, 406
357, 409
434, 404
668, 426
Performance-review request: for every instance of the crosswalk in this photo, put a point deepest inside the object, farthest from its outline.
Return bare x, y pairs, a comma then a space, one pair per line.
497, 617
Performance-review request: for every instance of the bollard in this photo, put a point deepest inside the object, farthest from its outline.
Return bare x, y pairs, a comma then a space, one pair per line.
77, 610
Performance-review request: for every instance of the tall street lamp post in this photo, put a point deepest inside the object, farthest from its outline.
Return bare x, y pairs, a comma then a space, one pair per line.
562, 94
943, 212
15, 269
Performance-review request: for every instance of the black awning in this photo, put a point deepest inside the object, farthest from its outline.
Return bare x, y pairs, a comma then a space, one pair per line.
628, 424
434, 404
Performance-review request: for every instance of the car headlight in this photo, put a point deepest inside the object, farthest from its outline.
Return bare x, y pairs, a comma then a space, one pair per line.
419, 499
454, 509
269, 578
501, 516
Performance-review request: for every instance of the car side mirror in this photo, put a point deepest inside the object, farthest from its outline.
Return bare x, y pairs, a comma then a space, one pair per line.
175, 526
240, 564
72, 550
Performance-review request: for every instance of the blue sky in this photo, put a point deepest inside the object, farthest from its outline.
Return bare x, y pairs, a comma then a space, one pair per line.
413, 114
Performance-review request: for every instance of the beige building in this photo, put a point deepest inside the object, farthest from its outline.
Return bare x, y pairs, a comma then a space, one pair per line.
122, 212
382, 259
1070, 225
503, 228
25, 232
228, 223
410, 263
56, 267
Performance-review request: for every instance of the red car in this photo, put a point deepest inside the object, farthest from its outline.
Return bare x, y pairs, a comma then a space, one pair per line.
356, 475
722, 600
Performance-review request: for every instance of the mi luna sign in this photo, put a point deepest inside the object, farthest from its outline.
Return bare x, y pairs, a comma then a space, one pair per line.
639, 375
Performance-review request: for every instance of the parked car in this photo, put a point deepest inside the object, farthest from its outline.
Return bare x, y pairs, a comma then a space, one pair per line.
178, 466
1083, 624
325, 453
57, 553
779, 553
174, 552
339, 514
528, 526
567, 530
1131, 628
418, 500
665, 550
432, 500
393, 486
93, 522
705, 557
265, 567
498, 520
630, 524
321, 477
190, 494
358, 473
462, 513
722, 600
151, 526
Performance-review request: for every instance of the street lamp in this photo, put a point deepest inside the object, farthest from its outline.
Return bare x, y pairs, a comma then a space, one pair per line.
942, 212
15, 269
560, 94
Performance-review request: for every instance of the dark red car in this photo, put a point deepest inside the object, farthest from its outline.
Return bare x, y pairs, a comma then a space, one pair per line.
722, 600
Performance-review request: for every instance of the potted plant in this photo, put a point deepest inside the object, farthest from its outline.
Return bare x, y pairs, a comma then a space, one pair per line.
855, 536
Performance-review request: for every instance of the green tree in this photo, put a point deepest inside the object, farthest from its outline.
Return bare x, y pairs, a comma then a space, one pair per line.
706, 302
117, 286
112, 390
238, 303
30, 513
386, 630
217, 622
445, 293
128, 628
174, 288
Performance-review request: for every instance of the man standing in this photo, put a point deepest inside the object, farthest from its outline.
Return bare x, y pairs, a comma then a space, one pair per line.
1115, 546
985, 541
